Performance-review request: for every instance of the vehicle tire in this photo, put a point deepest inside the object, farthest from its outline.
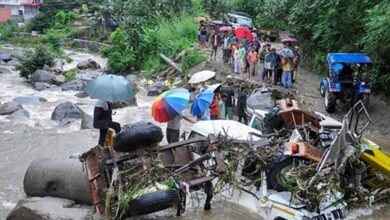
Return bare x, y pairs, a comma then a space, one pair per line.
273, 120
330, 101
322, 89
140, 134
153, 202
275, 174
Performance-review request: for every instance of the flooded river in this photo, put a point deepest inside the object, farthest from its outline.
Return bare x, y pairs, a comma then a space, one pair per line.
23, 140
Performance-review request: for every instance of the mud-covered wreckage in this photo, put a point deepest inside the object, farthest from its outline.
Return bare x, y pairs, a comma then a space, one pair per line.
296, 166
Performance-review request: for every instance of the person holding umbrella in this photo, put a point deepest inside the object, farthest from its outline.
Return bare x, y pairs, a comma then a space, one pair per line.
108, 89
169, 107
102, 120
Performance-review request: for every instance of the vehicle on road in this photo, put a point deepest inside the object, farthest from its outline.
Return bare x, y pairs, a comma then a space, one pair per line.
347, 80
238, 19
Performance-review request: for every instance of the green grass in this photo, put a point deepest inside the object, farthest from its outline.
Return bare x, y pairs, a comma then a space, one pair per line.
70, 75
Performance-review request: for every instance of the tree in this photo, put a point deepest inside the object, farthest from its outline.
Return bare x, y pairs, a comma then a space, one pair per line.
34, 60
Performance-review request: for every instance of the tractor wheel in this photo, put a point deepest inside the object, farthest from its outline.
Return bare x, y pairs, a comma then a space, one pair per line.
330, 101
278, 174
322, 89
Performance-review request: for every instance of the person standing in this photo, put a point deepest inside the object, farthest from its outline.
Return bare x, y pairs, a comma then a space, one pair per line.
241, 106
242, 58
230, 99
215, 41
102, 120
287, 66
221, 107
173, 127
214, 110
225, 47
202, 35
269, 65
236, 58
253, 60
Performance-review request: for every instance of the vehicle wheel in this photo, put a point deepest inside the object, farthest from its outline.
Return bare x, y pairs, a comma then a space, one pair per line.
277, 173
153, 202
322, 89
272, 121
366, 100
138, 134
330, 101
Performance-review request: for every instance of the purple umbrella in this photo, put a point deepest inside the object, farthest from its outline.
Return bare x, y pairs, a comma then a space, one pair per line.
289, 40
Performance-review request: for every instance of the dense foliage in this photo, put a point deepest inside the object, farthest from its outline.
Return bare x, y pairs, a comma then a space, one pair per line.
34, 59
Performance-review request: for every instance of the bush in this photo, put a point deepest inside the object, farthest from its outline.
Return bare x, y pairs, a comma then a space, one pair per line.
6, 30
34, 60
70, 75
192, 58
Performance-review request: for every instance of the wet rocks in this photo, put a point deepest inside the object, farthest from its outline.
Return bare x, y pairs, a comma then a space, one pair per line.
29, 100
41, 76
5, 56
58, 79
49, 208
81, 94
39, 86
88, 64
156, 89
66, 110
19, 114
74, 85
9, 108
58, 66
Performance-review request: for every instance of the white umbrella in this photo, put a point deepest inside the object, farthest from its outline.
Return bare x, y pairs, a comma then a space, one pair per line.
286, 52
214, 87
202, 76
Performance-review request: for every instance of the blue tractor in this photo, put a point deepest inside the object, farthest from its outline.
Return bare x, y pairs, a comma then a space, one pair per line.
347, 80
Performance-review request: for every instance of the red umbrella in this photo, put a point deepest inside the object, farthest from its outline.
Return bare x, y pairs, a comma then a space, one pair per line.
243, 31
225, 28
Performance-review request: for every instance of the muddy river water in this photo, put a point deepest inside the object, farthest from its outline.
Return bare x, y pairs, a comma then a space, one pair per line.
23, 140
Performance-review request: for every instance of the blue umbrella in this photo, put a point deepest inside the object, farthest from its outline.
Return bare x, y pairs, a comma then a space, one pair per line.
201, 102
110, 88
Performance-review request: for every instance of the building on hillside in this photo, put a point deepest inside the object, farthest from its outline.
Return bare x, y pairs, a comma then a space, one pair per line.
19, 10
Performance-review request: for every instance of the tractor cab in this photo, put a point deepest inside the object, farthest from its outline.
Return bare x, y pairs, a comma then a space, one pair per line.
347, 79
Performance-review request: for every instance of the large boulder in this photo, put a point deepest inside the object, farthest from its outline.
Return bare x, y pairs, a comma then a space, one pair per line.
9, 108
66, 110
156, 89
19, 114
29, 100
58, 66
42, 76
88, 64
50, 208
81, 94
58, 79
74, 85
5, 56
39, 86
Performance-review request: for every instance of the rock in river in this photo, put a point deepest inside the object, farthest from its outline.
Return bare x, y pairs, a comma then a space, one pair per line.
29, 100
9, 108
19, 114
88, 64
81, 94
39, 86
86, 121
49, 208
156, 89
5, 56
42, 76
74, 85
58, 79
66, 110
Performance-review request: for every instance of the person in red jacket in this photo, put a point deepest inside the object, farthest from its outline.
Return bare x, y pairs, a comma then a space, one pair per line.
214, 110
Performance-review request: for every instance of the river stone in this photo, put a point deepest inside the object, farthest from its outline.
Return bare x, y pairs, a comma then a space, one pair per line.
58, 65
58, 79
39, 86
88, 64
156, 89
50, 208
81, 94
66, 110
74, 85
5, 56
19, 114
86, 121
9, 108
13, 63
29, 100
42, 76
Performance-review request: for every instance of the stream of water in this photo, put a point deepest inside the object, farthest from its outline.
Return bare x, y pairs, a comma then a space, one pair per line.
23, 140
